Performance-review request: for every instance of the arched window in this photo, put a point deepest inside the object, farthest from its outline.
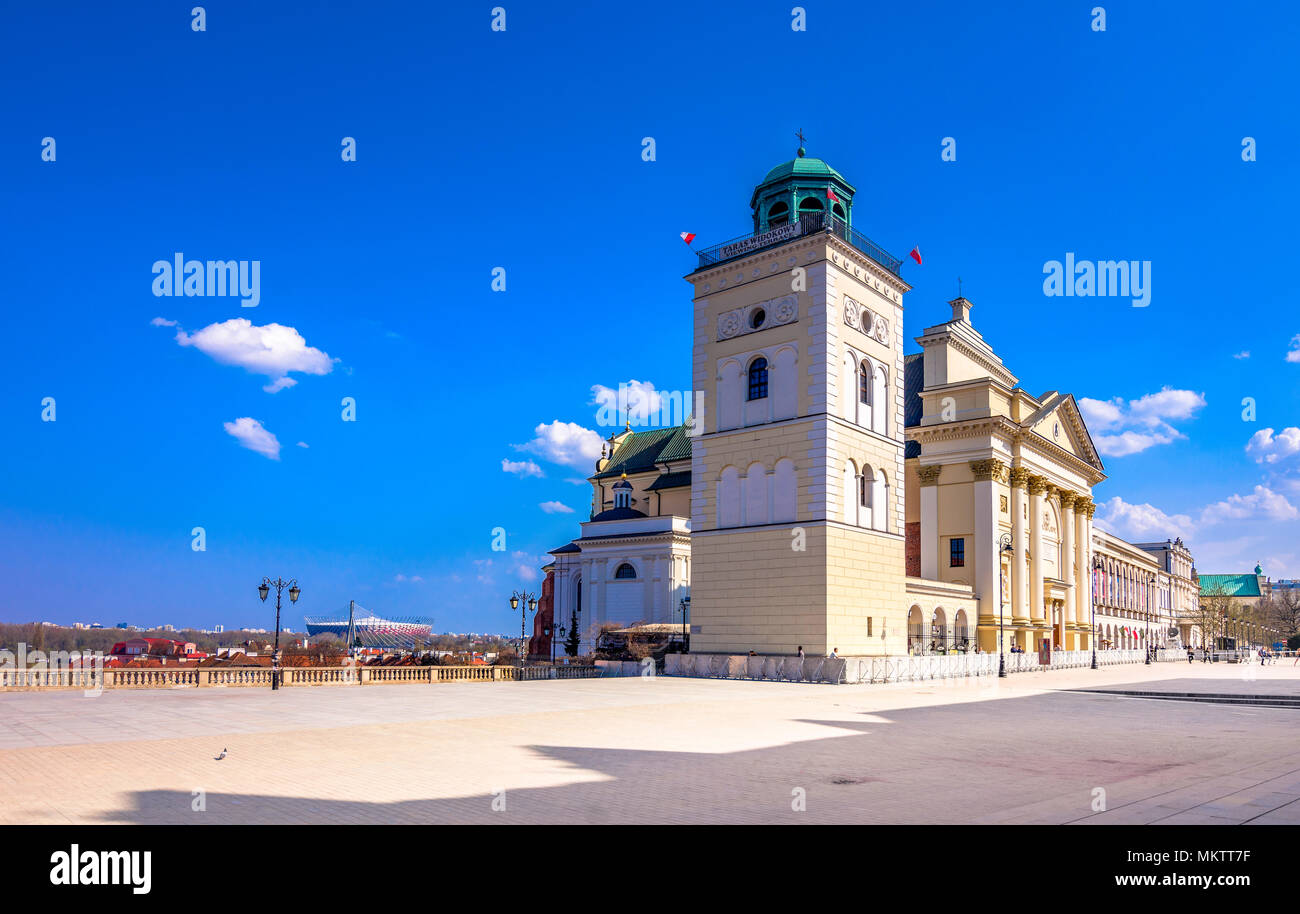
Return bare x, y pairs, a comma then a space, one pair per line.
625, 572
879, 400
758, 379
879, 502
864, 383
837, 210
778, 215
810, 205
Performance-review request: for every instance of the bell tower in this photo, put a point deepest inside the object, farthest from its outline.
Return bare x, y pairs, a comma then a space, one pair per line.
797, 463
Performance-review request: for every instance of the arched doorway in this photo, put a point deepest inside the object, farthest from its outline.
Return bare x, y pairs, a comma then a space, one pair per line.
961, 631
915, 631
939, 635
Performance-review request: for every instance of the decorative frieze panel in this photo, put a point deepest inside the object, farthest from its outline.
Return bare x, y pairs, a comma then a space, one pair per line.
860, 317
759, 316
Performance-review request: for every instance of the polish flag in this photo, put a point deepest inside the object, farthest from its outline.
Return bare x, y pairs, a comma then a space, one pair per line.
916, 254
688, 237
830, 195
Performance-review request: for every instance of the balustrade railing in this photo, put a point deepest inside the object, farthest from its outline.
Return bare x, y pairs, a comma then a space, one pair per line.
260, 677
904, 668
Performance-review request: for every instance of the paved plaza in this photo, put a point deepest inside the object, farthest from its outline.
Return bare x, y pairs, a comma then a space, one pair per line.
1027, 749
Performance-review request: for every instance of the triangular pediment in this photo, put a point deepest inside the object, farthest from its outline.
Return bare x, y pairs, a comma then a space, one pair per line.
1059, 422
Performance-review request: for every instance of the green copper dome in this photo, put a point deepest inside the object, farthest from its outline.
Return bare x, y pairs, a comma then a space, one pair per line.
803, 186
804, 167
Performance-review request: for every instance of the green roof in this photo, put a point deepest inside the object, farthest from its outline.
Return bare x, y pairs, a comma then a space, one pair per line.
644, 451
1230, 585
803, 167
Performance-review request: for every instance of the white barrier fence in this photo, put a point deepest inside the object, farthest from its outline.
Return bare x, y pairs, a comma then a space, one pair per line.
887, 669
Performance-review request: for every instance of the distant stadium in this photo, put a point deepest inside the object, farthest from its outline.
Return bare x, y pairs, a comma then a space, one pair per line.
358, 626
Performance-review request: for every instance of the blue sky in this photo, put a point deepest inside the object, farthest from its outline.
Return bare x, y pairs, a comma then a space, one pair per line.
522, 149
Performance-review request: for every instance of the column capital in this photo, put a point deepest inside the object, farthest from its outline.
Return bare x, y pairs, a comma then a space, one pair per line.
929, 475
1019, 477
1085, 506
1068, 499
1037, 485
985, 470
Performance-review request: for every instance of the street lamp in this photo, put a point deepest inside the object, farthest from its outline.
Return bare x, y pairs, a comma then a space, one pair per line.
552, 632
1004, 548
1151, 583
686, 635
525, 602
1096, 566
263, 590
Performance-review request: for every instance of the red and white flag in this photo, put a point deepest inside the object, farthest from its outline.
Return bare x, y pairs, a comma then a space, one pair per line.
916, 254
830, 195
688, 237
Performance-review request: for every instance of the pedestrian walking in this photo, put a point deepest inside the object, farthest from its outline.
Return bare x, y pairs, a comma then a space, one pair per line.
801, 652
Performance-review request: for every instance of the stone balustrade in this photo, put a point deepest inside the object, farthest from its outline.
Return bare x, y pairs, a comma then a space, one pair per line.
904, 668
181, 677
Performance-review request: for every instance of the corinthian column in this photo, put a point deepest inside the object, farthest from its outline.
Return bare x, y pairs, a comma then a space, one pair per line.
1037, 486
929, 479
1067, 574
1083, 563
988, 474
1019, 595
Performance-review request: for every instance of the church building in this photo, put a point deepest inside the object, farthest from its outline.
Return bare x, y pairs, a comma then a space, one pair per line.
832, 493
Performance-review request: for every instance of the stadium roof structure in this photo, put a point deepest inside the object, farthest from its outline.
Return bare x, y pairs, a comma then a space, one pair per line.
359, 627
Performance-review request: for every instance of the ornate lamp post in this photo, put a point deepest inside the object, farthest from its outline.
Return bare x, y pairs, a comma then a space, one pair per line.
686, 635
1096, 567
554, 631
1004, 548
1151, 583
263, 589
525, 602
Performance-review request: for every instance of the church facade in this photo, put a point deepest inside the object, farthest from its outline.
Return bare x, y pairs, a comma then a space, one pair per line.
834, 494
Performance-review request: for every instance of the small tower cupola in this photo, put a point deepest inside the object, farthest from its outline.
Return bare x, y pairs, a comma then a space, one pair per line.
622, 493
803, 186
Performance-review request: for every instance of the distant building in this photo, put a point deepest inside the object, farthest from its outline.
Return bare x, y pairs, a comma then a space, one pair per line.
218, 629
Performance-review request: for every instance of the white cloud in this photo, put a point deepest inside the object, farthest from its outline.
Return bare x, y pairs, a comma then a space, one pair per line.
413, 579
1261, 504
1265, 447
303, 444
163, 322
1244, 354
251, 434
1102, 414
1137, 523
555, 507
565, 442
1294, 354
528, 567
273, 350
1126, 443
521, 468
1129, 428
633, 401
576, 481
1140, 523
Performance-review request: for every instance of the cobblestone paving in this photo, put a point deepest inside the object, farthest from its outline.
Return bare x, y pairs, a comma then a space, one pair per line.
1020, 750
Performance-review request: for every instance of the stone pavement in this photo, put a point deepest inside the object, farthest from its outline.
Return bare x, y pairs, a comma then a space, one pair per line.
1019, 750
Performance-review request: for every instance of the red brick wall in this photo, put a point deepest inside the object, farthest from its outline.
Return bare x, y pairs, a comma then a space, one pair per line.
913, 547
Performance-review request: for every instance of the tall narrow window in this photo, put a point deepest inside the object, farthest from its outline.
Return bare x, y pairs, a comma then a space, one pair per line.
758, 379
864, 384
957, 553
